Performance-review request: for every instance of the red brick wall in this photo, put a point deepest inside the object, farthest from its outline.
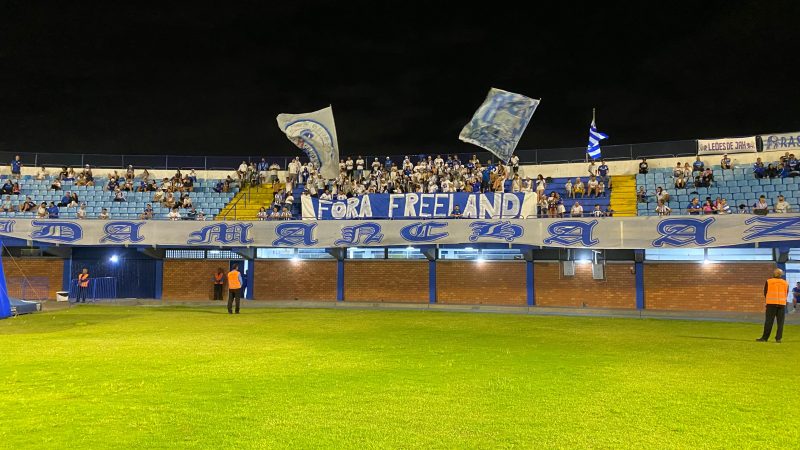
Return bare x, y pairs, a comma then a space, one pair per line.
44, 277
618, 290
282, 279
191, 279
723, 286
386, 281
484, 283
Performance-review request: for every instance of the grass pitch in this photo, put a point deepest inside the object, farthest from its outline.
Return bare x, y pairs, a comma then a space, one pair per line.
139, 377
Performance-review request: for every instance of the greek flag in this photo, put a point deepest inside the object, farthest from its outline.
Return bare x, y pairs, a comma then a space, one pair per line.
315, 134
498, 124
594, 141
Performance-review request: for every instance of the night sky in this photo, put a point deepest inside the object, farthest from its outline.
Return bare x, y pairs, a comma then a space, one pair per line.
402, 77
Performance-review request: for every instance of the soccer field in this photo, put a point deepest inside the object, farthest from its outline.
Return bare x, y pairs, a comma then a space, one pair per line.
156, 377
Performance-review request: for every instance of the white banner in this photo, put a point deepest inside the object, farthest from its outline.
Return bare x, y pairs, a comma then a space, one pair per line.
499, 123
315, 133
726, 145
783, 142
600, 233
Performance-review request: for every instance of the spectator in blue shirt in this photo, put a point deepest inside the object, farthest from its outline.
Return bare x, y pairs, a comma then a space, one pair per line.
112, 184
758, 169
602, 171
698, 165
388, 163
796, 295
695, 208
52, 211
16, 166
456, 213
65, 199
219, 187
7, 188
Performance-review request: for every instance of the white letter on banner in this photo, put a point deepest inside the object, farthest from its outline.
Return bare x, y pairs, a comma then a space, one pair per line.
470, 212
338, 210
437, 205
411, 202
323, 206
489, 209
366, 207
511, 206
450, 204
352, 203
423, 205
392, 205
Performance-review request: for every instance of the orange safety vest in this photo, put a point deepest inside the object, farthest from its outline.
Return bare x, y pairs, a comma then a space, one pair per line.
218, 278
233, 280
777, 291
83, 280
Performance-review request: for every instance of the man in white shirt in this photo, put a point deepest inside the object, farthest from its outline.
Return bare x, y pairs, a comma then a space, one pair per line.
174, 214
782, 206
273, 172
577, 210
242, 172
514, 163
359, 168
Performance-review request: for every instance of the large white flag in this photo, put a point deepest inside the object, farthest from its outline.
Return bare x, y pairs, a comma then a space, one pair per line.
498, 124
315, 133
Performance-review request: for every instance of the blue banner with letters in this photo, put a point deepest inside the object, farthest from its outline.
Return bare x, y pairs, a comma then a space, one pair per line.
492, 205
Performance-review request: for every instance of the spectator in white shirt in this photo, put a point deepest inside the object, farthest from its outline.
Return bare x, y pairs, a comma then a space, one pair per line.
782, 206
568, 188
242, 172
103, 214
81, 214
174, 214
43, 174
662, 195
597, 211
577, 210
662, 209
592, 185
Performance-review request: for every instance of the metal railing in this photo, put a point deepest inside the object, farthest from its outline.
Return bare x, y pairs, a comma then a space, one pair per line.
101, 288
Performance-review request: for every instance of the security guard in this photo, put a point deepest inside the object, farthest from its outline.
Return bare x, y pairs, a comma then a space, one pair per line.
83, 286
235, 287
219, 280
776, 289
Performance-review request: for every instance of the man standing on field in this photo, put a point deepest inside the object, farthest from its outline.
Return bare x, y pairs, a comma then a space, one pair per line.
235, 287
776, 289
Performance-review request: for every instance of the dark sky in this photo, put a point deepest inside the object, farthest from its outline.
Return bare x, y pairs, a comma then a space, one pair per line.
403, 77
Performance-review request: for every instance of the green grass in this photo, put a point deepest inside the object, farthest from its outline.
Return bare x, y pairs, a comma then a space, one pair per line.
140, 377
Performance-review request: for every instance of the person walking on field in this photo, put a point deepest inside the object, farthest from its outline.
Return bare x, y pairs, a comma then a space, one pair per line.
219, 280
235, 287
83, 286
776, 289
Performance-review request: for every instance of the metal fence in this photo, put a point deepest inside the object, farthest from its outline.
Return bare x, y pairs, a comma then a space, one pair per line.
171, 162
101, 288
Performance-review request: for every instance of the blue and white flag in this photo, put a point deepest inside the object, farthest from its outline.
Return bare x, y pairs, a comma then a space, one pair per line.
594, 141
315, 133
498, 124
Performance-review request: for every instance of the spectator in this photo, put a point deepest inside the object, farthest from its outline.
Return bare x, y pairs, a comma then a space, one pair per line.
130, 174
694, 208
103, 214
174, 214
680, 181
7, 187
721, 206
70, 174
514, 164
41, 212
273, 172
62, 174
643, 166
275, 214
52, 211
73, 201
242, 172
641, 195
597, 212
262, 214
119, 196
201, 216
578, 188
7, 205
285, 214
592, 186
782, 206
601, 189
192, 177
576, 210
42, 174
758, 169
81, 214
698, 166
147, 214
662, 195
456, 212
192, 214
772, 171
725, 162
28, 205
145, 176
708, 177
65, 200
186, 201
568, 188
609, 211
699, 182
112, 184
761, 207
541, 185
708, 208
603, 173
662, 209
15, 189
188, 184
169, 200
263, 170
218, 188
16, 167
592, 169
677, 171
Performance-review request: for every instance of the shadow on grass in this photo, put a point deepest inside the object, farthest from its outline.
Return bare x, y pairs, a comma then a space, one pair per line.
720, 338
53, 323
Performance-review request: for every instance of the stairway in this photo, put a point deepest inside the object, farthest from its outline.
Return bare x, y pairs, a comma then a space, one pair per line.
245, 205
623, 195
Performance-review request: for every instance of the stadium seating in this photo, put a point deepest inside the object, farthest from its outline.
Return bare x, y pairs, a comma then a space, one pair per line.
737, 186
96, 198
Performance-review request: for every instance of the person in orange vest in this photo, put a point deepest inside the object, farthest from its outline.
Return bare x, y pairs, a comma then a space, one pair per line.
776, 289
83, 286
234, 288
219, 280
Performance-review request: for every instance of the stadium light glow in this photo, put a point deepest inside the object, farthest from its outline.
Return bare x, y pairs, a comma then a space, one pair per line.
114, 259
295, 259
583, 261
707, 262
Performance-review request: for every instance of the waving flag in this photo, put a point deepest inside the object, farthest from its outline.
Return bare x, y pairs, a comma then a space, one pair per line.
315, 133
594, 141
498, 124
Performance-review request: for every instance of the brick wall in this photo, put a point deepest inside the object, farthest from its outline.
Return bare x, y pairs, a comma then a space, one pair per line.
191, 279
386, 281
618, 290
485, 283
44, 277
295, 280
720, 287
